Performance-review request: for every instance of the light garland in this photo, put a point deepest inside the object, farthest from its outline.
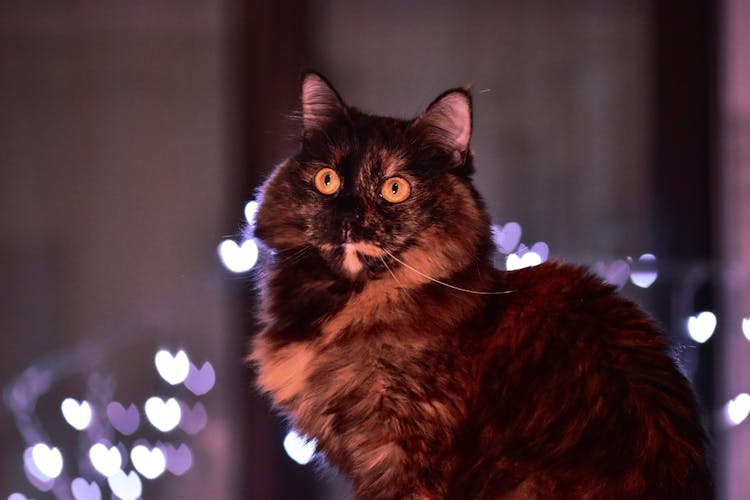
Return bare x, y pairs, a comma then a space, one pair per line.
104, 465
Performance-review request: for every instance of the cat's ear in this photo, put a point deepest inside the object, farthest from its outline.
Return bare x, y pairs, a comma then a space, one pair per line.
321, 104
447, 122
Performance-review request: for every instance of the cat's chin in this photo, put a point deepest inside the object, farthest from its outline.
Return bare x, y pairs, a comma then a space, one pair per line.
355, 260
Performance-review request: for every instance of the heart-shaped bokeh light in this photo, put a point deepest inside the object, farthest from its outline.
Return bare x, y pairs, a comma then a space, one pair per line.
78, 415
541, 249
83, 490
201, 381
149, 462
126, 487
173, 369
238, 258
43, 462
36, 477
643, 272
615, 273
737, 409
507, 237
107, 460
701, 327
194, 419
164, 415
298, 448
179, 459
126, 421
529, 259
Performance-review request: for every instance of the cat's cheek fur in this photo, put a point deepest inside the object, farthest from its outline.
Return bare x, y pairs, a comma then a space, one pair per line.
449, 244
277, 224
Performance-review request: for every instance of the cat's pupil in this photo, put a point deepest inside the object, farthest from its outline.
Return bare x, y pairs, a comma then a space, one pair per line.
394, 188
327, 179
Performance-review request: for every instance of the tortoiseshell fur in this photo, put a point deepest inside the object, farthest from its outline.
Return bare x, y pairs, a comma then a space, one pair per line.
559, 388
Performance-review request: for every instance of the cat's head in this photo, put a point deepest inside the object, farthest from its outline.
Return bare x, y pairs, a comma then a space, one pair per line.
366, 191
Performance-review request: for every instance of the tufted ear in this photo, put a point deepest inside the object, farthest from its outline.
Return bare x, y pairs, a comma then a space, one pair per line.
447, 122
321, 104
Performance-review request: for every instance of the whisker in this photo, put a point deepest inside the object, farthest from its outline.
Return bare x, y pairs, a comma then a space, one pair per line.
298, 255
442, 282
293, 249
389, 269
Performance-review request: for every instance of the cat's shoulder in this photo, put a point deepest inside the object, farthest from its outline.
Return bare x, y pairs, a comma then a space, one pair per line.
557, 307
556, 278
569, 293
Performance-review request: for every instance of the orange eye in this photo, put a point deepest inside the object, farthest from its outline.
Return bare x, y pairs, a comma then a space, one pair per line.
327, 181
395, 190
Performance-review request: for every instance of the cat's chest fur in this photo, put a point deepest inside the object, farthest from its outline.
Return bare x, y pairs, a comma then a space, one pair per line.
376, 384
372, 346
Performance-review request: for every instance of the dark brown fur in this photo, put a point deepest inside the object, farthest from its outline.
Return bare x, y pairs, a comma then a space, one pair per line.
559, 388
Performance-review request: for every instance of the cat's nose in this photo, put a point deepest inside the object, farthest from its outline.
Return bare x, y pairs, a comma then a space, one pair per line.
346, 229
349, 214
351, 227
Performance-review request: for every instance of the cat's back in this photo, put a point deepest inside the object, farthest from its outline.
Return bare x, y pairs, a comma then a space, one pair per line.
580, 397
566, 304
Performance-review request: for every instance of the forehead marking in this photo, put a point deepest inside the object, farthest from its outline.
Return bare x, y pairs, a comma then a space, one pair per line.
380, 162
392, 162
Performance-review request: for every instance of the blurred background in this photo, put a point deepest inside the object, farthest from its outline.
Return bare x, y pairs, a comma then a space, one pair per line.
133, 133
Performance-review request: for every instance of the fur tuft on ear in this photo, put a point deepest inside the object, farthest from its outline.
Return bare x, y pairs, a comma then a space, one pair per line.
447, 121
321, 104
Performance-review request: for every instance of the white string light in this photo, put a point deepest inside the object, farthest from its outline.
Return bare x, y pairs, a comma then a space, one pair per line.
43, 463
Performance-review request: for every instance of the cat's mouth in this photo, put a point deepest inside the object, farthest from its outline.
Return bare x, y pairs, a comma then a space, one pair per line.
355, 254
356, 258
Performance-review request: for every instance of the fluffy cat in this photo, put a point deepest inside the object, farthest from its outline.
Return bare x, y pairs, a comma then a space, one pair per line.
420, 369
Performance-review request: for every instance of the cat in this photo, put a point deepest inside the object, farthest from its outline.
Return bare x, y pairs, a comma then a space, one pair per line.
422, 371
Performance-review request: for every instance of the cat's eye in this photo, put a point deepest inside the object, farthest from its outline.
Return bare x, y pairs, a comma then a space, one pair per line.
327, 181
395, 190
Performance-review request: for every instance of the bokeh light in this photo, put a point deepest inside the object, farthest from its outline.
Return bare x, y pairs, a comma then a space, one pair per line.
105, 458
238, 258
507, 237
701, 326
43, 461
736, 410
108, 462
126, 486
194, 419
124, 420
299, 449
179, 459
78, 415
173, 369
84, 490
149, 462
164, 415
643, 271
200, 381
529, 259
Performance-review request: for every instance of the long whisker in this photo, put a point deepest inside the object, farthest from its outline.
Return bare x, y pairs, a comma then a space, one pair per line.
298, 255
389, 269
291, 250
442, 282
